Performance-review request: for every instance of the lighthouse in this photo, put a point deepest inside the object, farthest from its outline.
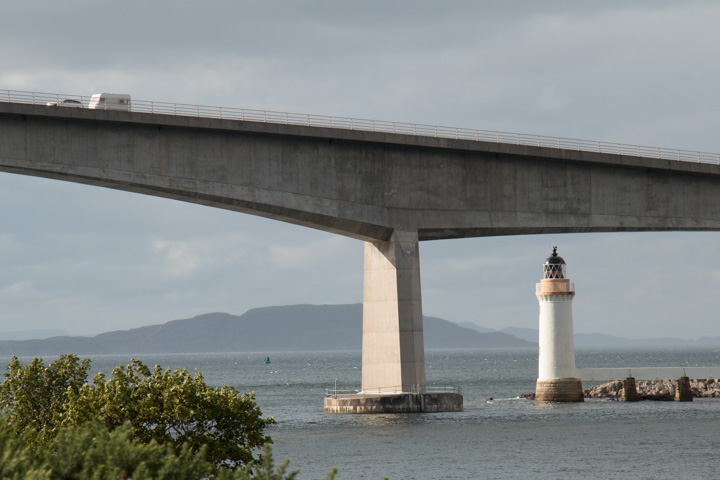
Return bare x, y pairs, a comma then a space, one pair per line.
557, 378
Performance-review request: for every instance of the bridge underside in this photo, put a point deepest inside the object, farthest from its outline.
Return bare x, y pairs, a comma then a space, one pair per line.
388, 190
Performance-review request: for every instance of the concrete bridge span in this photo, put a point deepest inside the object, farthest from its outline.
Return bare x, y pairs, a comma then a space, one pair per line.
389, 190
360, 184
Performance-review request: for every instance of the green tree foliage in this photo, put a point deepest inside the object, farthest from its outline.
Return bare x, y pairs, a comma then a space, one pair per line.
91, 452
34, 398
265, 470
170, 408
17, 460
176, 408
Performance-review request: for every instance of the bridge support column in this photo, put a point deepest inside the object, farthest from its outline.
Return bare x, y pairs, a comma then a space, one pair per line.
393, 353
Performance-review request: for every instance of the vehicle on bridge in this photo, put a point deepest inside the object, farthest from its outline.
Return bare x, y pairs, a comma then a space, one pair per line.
110, 101
66, 102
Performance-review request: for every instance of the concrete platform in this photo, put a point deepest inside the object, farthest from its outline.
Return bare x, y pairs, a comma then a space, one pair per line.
394, 403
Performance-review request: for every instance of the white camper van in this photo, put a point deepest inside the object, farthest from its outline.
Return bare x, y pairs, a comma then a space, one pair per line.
110, 101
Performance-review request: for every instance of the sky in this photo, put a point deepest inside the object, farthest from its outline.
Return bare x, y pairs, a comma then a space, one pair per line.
88, 260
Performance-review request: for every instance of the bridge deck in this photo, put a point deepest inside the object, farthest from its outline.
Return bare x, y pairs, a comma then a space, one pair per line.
380, 126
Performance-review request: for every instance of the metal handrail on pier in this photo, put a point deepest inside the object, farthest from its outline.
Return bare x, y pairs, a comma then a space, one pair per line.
334, 392
347, 123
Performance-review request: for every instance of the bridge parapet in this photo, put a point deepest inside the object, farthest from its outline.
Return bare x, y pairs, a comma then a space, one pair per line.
382, 126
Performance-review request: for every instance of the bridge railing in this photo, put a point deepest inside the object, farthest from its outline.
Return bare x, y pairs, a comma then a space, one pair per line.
347, 123
334, 392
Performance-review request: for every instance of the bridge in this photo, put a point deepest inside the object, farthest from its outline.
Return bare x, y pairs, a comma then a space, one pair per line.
389, 184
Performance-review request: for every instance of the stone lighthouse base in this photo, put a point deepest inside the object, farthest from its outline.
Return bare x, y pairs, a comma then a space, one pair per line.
559, 390
394, 403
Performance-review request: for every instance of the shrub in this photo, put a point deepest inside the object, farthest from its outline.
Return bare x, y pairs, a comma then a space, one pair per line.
171, 408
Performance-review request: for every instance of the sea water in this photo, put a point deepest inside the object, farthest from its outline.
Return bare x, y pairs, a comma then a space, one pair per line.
497, 436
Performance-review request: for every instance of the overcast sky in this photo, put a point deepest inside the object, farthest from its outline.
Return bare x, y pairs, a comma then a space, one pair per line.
88, 260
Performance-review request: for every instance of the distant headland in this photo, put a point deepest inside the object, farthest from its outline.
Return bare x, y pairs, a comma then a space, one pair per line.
290, 328
269, 329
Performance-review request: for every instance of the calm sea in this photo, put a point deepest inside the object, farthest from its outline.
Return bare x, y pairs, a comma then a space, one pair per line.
506, 438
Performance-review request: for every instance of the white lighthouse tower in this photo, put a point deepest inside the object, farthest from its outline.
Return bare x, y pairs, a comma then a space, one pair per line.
557, 380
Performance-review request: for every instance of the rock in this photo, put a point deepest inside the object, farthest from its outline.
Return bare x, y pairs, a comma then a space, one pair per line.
658, 390
611, 390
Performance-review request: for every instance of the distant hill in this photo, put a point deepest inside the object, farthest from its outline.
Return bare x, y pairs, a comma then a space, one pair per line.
270, 329
709, 340
603, 340
439, 333
291, 328
528, 334
476, 327
31, 334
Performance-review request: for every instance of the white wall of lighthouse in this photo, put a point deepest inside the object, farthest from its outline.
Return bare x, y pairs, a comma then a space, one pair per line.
557, 348
557, 376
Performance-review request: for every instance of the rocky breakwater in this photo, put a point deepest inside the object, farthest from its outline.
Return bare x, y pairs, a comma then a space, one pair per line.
663, 390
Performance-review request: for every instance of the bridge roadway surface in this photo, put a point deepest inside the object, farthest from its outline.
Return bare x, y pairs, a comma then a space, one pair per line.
390, 190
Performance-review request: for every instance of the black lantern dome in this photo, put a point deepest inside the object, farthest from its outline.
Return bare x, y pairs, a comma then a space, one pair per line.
554, 266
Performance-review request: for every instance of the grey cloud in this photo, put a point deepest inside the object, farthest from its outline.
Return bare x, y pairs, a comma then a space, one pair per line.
636, 73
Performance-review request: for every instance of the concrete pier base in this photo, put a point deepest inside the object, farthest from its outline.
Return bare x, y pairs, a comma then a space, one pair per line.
559, 390
683, 392
394, 403
629, 392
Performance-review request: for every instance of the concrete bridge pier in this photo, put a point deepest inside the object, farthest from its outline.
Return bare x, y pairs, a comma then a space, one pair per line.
393, 352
